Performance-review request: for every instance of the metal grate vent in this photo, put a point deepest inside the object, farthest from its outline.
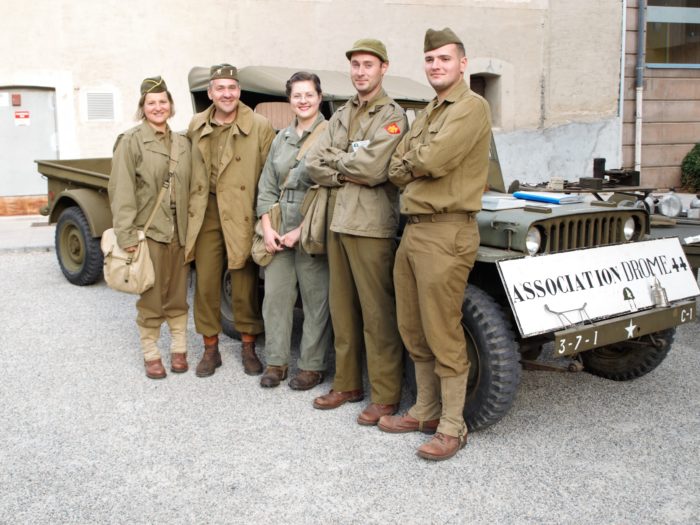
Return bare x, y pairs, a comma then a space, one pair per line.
100, 106
568, 233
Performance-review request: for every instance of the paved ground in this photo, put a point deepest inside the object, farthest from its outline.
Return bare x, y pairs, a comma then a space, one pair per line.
86, 438
26, 233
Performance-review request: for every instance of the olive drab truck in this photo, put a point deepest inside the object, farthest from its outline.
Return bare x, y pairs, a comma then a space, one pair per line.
571, 268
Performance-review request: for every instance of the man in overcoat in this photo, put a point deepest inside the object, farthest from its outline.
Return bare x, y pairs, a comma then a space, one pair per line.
229, 147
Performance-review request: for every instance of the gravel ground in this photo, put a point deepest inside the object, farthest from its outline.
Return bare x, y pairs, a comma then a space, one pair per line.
86, 438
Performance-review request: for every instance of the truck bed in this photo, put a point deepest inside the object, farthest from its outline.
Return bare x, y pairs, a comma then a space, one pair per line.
92, 173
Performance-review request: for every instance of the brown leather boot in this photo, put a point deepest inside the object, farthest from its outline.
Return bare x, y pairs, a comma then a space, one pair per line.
441, 447
306, 380
251, 364
211, 360
371, 414
178, 363
155, 369
273, 375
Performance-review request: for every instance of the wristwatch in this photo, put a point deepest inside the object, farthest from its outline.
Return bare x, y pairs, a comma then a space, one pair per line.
341, 178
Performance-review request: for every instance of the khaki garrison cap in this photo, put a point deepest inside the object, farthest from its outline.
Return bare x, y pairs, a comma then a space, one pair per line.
223, 71
369, 45
435, 39
153, 85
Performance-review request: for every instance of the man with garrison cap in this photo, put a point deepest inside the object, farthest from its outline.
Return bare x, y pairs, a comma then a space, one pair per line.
229, 148
441, 167
352, 158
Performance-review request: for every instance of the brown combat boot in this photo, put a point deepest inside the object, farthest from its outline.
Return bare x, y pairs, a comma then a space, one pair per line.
441, 447
251, 364
273, 376
306, 380
211, 360
155, 369
178, 363
374, 411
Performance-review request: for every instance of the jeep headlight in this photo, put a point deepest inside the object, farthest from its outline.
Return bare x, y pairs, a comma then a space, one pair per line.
533, 239
628, 229
670, 205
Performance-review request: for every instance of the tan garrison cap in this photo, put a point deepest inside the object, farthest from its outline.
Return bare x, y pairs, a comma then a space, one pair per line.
153, 85
223, 71
435, 39
369, 45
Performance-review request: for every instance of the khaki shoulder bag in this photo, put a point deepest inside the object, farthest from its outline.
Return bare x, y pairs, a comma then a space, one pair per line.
133, 272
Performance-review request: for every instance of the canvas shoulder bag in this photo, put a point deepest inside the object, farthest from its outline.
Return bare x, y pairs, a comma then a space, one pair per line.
133, 272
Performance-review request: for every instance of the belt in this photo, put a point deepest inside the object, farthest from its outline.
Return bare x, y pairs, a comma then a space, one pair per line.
441, 217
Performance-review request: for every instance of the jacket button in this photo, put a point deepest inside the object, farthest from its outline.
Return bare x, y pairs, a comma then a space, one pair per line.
238, 158
242, 188
246, 219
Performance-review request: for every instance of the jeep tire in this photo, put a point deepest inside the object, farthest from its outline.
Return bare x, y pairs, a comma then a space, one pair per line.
494, 373
629, 359
78, 252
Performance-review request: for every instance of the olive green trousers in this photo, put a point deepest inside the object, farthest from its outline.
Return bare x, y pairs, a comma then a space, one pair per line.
363, 312
210, 261
287, 269
430, 275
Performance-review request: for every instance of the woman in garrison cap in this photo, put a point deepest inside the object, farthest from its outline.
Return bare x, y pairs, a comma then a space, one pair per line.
143, 158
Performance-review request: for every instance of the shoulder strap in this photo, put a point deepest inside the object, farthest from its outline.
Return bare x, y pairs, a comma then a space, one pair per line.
311, 139
174, 152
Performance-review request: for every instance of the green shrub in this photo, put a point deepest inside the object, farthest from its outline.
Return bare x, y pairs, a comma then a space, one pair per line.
690, 169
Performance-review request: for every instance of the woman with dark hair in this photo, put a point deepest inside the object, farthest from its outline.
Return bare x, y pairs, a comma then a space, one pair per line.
285, 176
143, 158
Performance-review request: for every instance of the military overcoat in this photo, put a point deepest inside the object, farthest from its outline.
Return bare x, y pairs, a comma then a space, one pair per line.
245, 148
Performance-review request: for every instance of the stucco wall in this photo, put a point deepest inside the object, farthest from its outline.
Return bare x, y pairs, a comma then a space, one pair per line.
558, 62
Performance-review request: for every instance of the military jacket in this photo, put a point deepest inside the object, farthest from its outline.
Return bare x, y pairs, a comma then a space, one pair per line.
283, 171
245, 149
139, 167
442, 164
369, 210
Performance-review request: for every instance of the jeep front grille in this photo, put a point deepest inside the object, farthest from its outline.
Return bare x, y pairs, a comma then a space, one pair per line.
568, 233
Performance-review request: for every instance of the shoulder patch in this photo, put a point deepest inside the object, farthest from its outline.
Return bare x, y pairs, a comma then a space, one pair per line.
393, 128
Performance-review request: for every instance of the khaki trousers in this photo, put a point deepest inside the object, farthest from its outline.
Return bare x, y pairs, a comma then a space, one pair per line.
363, 313
168, 297
430, 275
287, 269
210, 260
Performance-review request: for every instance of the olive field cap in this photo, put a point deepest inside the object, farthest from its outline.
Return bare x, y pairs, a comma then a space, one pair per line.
223, 71
153, 85
435, 39
369, 45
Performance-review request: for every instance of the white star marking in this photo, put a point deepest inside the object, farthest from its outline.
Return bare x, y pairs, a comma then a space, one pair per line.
630, 329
